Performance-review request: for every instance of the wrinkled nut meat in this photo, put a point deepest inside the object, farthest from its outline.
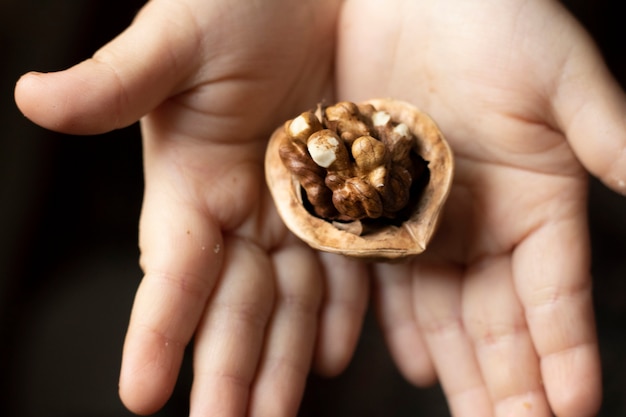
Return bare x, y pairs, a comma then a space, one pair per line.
367, 180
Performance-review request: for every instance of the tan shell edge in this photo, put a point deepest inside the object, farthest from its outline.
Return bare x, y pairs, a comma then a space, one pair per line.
391, 242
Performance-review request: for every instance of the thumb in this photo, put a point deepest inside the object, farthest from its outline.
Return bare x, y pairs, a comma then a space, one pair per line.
590, 107
124, 80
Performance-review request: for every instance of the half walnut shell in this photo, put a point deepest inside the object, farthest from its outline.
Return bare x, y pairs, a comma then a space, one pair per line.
403, 236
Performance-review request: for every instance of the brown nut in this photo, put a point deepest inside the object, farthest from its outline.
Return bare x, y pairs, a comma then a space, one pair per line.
383, 203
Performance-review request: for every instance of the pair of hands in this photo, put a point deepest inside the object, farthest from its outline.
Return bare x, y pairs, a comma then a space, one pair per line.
498, 309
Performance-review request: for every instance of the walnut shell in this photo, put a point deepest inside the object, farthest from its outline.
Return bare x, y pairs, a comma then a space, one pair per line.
391, 242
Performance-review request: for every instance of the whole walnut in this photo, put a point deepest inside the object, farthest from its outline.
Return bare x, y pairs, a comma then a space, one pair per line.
367, 180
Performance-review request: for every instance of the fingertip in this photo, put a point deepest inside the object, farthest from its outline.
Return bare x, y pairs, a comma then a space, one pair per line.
598, 136
327, 367
133, 396
590, 108
65, 101
26, 90
335, 347
410, 356
123, 81
136, 407
400, 325
573, 381
148, 374
342, 314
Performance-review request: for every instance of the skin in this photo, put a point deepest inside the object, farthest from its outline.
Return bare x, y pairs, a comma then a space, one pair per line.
499, 308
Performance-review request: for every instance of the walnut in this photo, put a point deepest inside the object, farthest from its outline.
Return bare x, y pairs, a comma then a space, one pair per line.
366, 180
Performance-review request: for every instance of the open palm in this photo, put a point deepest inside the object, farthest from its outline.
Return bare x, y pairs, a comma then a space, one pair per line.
213, 79
499, 307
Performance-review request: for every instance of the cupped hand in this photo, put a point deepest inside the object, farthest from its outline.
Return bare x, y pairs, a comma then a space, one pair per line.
500, 306
210, 81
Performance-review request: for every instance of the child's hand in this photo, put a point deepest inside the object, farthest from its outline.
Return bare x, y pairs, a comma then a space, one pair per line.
211, 81
500, 306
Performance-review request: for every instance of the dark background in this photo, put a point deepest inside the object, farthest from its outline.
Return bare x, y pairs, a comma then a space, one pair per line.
69, 208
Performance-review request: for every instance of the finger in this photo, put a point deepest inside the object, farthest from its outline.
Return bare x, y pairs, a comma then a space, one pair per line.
291, 333
182, 255
396, 314
342, 312
590, 108
495, 320
123, 81
230, 337
551, 269
437, 297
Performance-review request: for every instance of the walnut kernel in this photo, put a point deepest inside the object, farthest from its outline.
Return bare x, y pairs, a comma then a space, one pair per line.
367, 180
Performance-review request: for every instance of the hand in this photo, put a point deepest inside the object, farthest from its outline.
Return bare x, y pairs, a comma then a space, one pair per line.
210, 81
500, 306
